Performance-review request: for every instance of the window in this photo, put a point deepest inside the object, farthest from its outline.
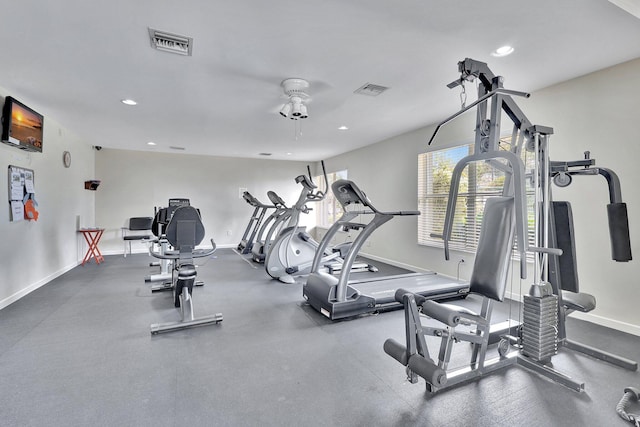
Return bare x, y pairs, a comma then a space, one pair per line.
478, 182
329, 210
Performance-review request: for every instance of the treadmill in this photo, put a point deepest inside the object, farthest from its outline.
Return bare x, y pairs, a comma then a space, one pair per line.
270, 228
260, 209
337, 297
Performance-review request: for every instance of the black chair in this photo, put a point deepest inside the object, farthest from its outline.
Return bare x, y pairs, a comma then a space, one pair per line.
136, 225
184, 232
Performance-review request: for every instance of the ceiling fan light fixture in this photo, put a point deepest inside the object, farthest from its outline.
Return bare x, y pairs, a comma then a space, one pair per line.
285, 110
295, 89
296, 110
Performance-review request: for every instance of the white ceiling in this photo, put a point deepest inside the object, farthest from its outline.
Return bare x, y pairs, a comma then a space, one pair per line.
74, 60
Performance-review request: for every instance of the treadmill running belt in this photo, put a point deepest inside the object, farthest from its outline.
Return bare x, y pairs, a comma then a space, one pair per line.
383, 291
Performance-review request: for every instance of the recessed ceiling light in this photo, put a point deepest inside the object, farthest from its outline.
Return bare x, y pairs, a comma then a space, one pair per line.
129, 102
288, 154
502, 51
151, 143
343, 127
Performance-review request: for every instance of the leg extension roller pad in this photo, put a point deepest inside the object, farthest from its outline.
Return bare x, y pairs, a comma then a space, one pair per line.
428, 370
396, 350
425, 368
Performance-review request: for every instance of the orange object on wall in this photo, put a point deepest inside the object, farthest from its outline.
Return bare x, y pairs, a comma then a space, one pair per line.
30, 211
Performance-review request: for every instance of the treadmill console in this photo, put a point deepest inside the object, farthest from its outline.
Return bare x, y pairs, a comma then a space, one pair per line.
347, 192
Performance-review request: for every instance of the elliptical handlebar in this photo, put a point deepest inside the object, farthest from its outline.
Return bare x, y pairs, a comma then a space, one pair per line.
313, 194
319, 194
276, 200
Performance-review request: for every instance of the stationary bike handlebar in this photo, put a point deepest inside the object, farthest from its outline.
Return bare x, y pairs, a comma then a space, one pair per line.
197, 253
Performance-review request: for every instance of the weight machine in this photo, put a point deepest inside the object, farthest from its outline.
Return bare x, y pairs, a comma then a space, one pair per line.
550, 297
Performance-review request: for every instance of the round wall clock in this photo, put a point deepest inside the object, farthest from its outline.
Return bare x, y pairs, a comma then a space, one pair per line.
66, 159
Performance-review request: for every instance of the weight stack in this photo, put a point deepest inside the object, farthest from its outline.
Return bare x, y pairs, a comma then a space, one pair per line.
540, 326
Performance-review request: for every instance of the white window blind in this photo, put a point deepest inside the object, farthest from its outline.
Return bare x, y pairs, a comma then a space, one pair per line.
329, 209
478, 182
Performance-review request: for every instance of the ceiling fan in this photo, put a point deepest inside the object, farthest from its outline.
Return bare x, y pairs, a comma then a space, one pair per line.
298, 97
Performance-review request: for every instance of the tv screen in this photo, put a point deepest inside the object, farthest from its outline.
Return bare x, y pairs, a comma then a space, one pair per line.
21, 126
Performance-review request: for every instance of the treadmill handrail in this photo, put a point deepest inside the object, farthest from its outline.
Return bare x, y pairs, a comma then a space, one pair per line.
275, 199
253, 201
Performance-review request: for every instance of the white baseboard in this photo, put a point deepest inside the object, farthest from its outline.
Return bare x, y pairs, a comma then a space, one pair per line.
609, 323
25, 291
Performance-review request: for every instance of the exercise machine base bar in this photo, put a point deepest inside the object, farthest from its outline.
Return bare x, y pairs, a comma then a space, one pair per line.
158, 328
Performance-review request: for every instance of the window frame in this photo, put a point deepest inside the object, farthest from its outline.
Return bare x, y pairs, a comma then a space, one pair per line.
470, 203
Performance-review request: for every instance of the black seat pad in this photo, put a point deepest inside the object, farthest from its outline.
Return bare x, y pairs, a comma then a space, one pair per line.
578, 301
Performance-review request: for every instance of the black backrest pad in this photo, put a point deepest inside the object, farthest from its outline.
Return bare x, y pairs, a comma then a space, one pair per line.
186, 235
619, 232
140, 223
565, 240
489, 276
178, 235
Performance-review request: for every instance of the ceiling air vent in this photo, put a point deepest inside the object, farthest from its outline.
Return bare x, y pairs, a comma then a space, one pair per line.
176, 148
161, 40
370, 89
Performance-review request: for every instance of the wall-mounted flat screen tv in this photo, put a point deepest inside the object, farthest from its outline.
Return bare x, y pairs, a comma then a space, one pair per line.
22, 127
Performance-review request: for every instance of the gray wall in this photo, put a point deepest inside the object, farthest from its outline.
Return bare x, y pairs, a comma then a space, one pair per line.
134, 182
34, 253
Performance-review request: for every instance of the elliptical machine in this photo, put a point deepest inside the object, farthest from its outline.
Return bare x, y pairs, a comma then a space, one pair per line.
293, 251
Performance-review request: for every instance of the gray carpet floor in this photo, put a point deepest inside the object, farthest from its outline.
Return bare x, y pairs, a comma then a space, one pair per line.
78, 352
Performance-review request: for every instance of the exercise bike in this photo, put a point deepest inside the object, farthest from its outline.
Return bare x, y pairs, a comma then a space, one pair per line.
293, 250
184, 232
